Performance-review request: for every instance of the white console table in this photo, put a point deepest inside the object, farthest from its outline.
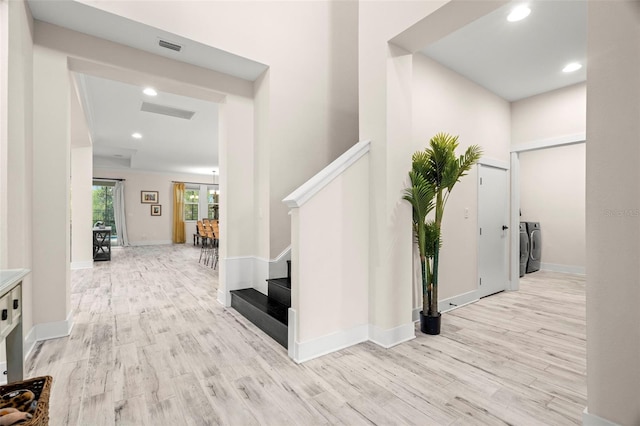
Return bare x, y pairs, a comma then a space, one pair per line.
11, 320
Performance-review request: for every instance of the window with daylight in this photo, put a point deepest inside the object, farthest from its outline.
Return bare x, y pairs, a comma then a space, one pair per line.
102, 193
212, 203
191, 200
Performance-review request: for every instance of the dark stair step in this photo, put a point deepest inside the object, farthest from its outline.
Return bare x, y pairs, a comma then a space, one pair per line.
280, 290
266, 313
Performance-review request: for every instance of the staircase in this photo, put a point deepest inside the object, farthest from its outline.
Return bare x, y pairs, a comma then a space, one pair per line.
268, 312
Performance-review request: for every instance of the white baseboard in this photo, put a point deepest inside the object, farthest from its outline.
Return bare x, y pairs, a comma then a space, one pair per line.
46, 331
86, 264
251, 272
593, 420
568, 269
150, 243
54, 330
292, 348
305, 351
458, 301
242, 272
451, 303
29, 342
388, 338
278, 266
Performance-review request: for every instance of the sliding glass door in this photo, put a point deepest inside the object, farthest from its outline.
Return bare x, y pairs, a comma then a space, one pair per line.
103, 206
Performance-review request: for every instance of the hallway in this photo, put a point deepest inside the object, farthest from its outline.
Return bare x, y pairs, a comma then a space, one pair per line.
152, 346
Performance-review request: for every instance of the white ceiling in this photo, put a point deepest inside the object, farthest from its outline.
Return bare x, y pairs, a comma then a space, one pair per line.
89, 20
516, 60
112, 108
513, 60
168, 144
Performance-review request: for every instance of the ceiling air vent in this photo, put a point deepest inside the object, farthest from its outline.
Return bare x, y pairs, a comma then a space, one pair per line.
167, 110
169, 45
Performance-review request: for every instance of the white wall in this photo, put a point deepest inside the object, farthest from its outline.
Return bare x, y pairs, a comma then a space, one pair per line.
385, 119
312, 106
81, 174
552, 192
330, 287
16, 175
553, 114
613, 183
444, 101
552, 180
51, 183
81, 208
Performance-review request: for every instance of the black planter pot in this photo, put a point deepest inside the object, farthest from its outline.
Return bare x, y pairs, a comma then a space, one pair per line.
430, 325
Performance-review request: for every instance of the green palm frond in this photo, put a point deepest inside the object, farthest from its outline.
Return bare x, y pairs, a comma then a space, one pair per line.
420, 194
434, 173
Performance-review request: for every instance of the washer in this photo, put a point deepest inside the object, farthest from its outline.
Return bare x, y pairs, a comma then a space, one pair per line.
535, 246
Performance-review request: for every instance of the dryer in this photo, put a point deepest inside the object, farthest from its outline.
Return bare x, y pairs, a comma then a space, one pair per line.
524, 248
535, 246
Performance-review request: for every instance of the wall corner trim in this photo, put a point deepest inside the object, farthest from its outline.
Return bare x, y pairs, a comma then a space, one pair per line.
305, 351
393, 336
88, 264
589, 419
492, 162
46, 331
550, 143
311, 187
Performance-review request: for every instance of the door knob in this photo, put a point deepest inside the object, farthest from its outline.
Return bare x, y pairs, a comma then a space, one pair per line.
504, 227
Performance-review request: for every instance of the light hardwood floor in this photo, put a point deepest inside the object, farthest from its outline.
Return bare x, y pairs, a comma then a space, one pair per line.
152, 346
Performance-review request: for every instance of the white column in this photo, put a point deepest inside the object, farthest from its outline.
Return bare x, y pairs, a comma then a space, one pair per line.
81, 207
51, 181
613, 212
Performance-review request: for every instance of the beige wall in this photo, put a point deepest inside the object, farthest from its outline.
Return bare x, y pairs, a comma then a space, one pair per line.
385, 119
16, 229
4, 71
51, 183
550, 115
312, 101
81, 208
81, 173
333, 283
444, 101
552, 192
613, 185
552, 180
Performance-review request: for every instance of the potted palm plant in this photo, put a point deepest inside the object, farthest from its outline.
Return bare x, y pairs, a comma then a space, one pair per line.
434, 173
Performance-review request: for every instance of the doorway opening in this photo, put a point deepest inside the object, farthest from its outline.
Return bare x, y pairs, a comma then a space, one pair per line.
102, 207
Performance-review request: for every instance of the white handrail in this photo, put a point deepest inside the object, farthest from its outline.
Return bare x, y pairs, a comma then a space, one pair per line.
311, 187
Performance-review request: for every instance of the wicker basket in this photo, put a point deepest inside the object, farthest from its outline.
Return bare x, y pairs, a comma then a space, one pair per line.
41, 387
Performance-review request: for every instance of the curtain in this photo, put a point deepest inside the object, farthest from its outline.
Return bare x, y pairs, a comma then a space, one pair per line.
178, 213
118, 214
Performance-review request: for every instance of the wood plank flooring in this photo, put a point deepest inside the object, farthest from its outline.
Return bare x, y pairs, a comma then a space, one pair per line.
152, 346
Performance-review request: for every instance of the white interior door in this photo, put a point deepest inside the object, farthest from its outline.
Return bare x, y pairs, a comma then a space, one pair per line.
493, 221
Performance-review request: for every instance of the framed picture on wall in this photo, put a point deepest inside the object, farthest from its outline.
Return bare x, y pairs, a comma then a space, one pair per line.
156, 210
149, 197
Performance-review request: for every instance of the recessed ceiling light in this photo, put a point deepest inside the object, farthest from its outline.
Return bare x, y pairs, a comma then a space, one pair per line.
573, 66
136, 135
519, 13
150, 91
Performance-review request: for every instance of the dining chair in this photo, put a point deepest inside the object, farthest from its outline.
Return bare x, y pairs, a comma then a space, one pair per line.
215, 231
204, 250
